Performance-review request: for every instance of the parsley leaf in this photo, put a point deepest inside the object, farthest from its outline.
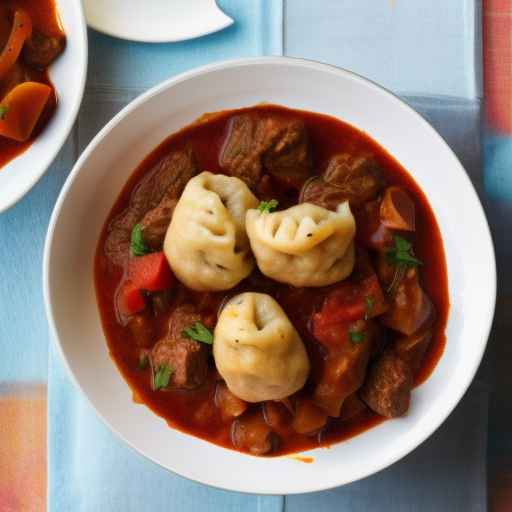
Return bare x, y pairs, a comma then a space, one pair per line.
356, 337
370, 301
401, 254
137, 245
199, 332
3, 111
268, 206
162, 377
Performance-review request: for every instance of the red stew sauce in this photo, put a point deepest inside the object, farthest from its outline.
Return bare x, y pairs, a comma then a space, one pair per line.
46, 27
195, 411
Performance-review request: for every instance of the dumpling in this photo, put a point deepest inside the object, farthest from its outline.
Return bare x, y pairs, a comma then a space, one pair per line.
257, 350
305, 245
206, 243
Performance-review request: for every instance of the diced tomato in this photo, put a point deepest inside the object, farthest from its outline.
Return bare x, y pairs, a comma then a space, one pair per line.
332, 335
130, 299
348, 303
151, 272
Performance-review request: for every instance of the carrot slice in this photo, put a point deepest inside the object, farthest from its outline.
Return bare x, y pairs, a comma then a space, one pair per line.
21, 30
21, 109
397, 210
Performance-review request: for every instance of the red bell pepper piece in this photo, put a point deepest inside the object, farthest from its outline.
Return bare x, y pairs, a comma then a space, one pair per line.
130, 299
151, 272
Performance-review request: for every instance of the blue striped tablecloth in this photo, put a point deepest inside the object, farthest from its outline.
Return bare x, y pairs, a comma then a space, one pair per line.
428, 53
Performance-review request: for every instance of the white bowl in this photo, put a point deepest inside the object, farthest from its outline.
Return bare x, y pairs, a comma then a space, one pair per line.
68, 75
109, 160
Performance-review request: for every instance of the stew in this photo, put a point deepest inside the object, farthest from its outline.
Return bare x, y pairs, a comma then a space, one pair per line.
290, 308
31, 38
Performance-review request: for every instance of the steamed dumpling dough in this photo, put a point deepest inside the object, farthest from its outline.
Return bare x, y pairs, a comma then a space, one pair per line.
206, 244
305, 245
257, 350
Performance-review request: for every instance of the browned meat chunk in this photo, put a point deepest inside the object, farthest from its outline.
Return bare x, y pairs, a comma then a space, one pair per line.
318, 191
352, 406
155, 223
251, 433
348, 177
360, 176
141, 327
308, 418
41, 50
387, 389
410, 308
245, 143
256, 142
229, 404
289, 158
165, 182
343, 374
412, 349
188, 359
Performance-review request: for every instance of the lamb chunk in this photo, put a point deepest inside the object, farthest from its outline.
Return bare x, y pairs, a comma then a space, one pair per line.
358, 175
187, 358
289, 158
410, 308
248, 137
317, 191
387, 389
356, 179
166, 181
412, 349
155, 223
250, 433
256, 142
41, 50
229, 404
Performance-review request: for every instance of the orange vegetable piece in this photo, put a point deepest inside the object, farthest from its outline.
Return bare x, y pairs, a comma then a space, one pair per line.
397, 210
21, 30
22, 108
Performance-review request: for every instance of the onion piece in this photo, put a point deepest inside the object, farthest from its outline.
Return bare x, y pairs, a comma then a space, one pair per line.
20, 32
397, 210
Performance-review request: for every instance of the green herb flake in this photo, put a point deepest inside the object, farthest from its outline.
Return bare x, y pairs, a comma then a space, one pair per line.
199, 332
162, 377
3, 111
268, 206
356, 337
138, 245
401, 255
369, 301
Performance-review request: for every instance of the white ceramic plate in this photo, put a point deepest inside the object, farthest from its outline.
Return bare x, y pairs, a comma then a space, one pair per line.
90, 192
156, 21
68, 76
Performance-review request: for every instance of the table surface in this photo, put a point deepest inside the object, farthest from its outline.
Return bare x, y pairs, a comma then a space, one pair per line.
23, 405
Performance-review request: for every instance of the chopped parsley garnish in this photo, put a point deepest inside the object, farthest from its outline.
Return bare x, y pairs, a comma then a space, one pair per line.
268, 206
369, 301
162, 377
401, 255
3, 111
356, 336
199, 332
138, 245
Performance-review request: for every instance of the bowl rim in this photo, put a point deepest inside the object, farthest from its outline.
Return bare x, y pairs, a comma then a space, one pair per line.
487, 314
68, 126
